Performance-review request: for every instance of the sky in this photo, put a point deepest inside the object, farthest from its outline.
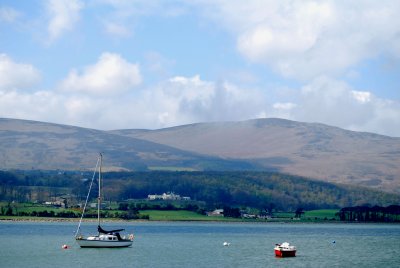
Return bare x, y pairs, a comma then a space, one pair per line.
129, 64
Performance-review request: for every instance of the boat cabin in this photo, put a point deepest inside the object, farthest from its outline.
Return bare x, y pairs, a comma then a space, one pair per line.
104, 237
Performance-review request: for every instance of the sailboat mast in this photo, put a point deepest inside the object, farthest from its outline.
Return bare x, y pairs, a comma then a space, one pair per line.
99, 197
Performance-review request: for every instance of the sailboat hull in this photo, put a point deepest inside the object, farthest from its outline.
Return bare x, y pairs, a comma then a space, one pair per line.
104, 239
84, 243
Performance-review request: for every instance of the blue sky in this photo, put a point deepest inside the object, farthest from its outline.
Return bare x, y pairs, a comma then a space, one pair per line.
112, 64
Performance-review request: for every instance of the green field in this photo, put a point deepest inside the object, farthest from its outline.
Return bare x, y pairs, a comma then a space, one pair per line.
29, 207
311, 215
176, 215
283, 215
321, 214
181, 215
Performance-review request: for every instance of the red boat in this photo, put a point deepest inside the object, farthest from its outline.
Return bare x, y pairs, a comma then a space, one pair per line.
285, 250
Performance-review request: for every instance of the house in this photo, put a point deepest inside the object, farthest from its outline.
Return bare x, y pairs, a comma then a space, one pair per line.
167, 196
216, 212
94, 205
60, 202
249, 216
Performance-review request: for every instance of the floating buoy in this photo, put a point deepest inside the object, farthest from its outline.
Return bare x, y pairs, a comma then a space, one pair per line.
226, 244
64, 246
333, 241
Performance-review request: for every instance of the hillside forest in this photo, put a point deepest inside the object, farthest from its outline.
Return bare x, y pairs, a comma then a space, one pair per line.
262, 190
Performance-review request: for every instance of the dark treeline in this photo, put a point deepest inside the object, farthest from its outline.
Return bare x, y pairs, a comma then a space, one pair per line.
370, 214
263, 190
27, 186
127, 210
266, 190
9, 210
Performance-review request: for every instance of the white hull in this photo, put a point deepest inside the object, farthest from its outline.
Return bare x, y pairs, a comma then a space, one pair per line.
104, 239
84, 243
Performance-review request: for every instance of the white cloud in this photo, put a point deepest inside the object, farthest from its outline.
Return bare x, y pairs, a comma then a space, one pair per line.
281, 110
305, 39
312, 41
386, 119
183, 100
284, 105
15, 75
176, 101
8, 14
285, 37
53, 107
110, 75
116, 29
332, 102
63, 16
362, 96
41, 105
336, 103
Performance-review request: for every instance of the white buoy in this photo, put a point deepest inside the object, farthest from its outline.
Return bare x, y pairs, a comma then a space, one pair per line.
226, 244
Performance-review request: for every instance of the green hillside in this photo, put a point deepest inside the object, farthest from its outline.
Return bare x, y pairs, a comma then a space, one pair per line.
261, 190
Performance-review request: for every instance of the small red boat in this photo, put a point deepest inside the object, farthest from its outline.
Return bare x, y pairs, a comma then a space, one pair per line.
285, 250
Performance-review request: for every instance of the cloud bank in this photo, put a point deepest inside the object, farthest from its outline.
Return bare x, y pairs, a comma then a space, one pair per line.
110, 75
181, 100
14, 75
317, 44
336, 103
306, 39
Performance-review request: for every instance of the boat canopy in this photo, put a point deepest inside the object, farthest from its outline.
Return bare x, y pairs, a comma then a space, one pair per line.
101, 230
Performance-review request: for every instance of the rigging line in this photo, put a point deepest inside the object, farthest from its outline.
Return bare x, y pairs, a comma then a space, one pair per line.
87, 197
99, 196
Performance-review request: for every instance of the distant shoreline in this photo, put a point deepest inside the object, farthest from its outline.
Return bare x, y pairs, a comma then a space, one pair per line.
76, 220
62, 220
120, 220
42, 219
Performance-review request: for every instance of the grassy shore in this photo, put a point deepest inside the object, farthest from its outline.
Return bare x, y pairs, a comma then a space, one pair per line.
157, 215
327, 215
181, 215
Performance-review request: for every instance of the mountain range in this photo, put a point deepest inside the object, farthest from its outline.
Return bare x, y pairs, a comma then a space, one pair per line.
312, 150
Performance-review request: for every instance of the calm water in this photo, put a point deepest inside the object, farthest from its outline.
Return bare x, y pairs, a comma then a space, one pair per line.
201, 245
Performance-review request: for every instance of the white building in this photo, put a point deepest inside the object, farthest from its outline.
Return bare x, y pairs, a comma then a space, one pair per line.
217, 212
167, 196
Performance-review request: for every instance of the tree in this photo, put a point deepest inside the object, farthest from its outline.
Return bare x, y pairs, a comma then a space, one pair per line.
9, 211
299, 212
231, 212
123, 206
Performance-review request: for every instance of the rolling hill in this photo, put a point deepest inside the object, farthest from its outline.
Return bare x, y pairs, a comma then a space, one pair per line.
36, 145
306, 149
311, 150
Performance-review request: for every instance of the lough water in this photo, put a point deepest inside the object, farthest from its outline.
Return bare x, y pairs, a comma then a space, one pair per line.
201, 245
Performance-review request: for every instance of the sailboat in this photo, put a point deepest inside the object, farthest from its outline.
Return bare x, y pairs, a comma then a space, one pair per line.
104, 238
